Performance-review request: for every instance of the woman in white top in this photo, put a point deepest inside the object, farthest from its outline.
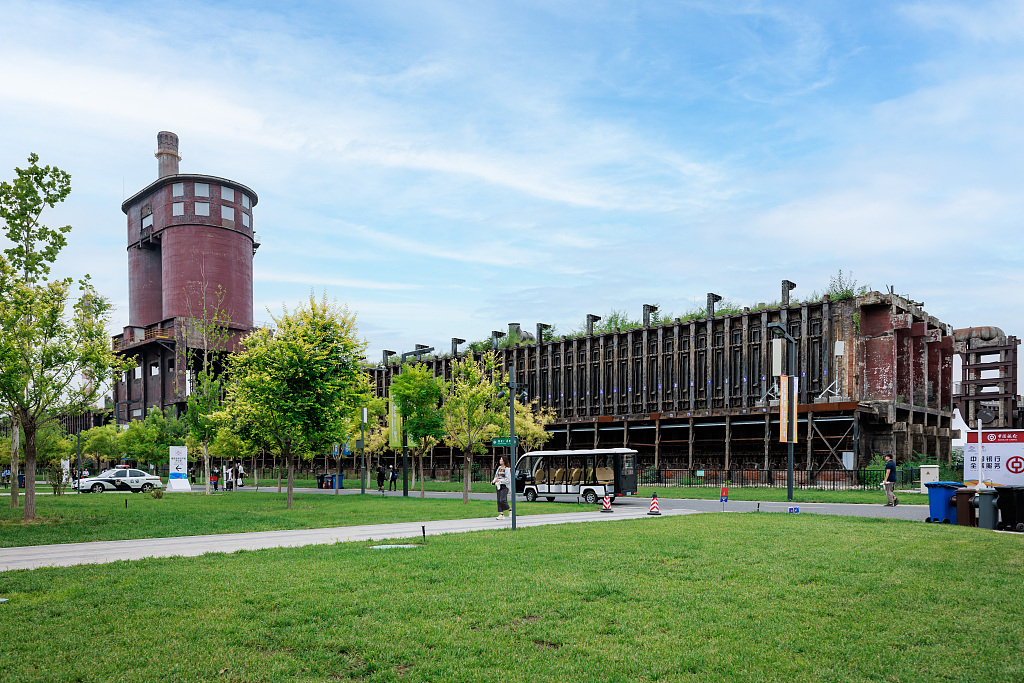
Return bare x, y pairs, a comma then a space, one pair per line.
503, 480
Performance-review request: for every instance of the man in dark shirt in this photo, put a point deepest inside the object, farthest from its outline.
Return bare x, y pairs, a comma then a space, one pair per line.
889, 482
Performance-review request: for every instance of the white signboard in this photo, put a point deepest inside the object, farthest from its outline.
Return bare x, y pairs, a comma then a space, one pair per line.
1001, 457
178, 480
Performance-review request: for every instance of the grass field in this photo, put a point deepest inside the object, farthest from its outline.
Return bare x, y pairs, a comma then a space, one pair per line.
712, 597
876, 496
104, 517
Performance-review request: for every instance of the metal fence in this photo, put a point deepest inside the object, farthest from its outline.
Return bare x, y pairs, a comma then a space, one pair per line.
832, 480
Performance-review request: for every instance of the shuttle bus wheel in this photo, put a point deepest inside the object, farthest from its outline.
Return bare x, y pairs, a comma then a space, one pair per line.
531, 496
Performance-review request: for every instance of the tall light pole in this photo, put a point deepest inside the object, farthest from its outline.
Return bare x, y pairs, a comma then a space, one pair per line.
362, 449
780, 331
513, 388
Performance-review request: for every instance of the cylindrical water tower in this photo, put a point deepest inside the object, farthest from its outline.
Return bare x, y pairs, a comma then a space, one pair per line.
190, 240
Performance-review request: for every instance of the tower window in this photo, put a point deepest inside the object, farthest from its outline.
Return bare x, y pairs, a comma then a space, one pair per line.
202, 189
227, 213
178, 190
178, 209
227, 194
245, 201
147, 221
202, 209
245, 219
154, 369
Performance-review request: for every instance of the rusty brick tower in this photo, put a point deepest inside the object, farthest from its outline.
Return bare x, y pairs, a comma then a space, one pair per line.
190, 249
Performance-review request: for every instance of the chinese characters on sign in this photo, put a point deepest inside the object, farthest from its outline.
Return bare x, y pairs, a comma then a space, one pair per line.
1000, 458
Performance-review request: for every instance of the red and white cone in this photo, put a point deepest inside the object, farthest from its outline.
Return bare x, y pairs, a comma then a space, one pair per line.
606, 506
654, 505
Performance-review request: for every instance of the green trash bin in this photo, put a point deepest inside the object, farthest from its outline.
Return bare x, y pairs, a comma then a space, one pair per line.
988, 509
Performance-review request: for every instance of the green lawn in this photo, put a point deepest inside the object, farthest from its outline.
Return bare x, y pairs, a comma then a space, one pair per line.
713, 597
776, 495
104, 517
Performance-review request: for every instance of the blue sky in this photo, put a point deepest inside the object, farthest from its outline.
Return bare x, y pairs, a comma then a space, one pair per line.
445, 168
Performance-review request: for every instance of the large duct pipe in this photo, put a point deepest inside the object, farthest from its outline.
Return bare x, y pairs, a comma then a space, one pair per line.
986, 333
167, 156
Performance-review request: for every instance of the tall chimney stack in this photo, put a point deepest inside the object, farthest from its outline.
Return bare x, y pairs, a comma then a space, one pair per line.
167, 154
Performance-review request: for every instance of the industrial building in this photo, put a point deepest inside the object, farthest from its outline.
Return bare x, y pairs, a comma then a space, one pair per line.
191, 243
875, 377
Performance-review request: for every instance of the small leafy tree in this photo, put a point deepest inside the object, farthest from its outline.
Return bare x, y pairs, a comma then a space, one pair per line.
102, 443
208, 337
48, 342
530, 422
418, 395
296, 390
472, 410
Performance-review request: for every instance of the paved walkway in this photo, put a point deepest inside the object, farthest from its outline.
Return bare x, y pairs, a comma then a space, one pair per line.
98, 552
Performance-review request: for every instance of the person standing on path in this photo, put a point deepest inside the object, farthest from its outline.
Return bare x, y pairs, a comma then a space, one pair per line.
393, 477
502, 480
889, 482
215, 478
380, 477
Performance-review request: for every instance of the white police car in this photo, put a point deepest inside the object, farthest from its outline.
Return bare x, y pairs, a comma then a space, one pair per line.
120, 479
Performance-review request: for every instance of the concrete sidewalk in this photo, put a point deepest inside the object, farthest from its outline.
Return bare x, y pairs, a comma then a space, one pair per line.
99, 552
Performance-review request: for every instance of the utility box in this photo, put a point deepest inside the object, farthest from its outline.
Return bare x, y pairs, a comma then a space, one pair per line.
929, 473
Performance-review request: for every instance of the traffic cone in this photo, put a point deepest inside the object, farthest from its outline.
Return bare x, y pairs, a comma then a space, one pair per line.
654, 505
606, 506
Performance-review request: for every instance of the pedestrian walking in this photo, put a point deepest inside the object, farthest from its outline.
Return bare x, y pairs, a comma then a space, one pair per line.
393, 477
503, 481
192, 475
889, 482
380, 477
239, 475
7, 478
215, 478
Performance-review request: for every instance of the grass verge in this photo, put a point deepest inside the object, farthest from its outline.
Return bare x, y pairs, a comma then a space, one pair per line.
105, 517
734, 597
777, 495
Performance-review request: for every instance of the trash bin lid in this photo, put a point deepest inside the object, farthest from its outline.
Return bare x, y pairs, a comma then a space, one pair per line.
945, 484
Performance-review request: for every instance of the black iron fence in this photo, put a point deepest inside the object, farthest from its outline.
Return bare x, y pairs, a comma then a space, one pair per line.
834, 480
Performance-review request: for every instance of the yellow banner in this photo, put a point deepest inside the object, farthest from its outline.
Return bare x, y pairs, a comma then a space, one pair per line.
394, 425
787, 409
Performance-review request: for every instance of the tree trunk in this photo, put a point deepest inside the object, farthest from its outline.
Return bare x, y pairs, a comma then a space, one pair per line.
15, 457
278, 474
423, 486
291, 479
30, 470
206, 464
467, 469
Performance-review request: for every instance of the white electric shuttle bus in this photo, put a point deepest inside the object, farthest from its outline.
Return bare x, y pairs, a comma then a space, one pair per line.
590, 475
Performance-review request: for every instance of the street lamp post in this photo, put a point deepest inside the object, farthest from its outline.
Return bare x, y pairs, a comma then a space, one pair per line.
362, 449
780, 331
513, 387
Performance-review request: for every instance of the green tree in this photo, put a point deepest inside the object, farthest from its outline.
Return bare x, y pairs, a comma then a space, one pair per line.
530, 422
208, 336
47, 342
296, 390
417, 393
102, 443
472, 410
149, 440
